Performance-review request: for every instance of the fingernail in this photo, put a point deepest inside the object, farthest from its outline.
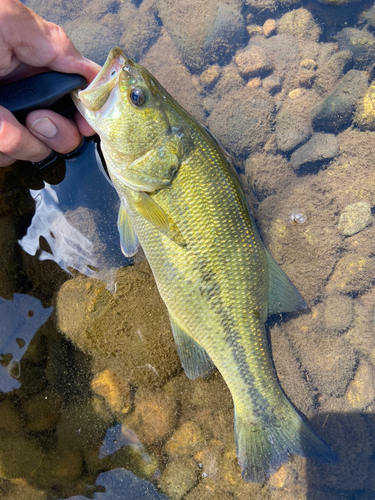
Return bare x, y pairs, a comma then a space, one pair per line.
44, 127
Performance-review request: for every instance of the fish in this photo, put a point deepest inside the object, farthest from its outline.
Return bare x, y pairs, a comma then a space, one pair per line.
182, 201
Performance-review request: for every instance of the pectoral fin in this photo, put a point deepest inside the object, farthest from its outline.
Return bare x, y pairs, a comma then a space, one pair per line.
128, 238
153, 213
194, 359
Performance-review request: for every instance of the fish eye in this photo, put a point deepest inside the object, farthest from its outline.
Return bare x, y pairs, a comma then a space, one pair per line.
137, 96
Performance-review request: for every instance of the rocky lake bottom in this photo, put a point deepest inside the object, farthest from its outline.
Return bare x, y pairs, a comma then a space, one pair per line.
93, 399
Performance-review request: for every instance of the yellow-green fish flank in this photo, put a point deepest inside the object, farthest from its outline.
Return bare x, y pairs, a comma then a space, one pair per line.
181, 199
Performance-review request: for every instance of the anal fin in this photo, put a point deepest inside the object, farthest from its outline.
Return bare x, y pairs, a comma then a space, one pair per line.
194, 359
283, 296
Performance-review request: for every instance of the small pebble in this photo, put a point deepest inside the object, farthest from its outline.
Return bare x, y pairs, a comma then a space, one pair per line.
269, 27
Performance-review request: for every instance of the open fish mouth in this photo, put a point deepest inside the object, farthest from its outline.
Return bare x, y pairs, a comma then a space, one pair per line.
97, 93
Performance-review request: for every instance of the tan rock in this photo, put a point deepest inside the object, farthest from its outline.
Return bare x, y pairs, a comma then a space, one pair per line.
309, 64
210, 76
361, 390
269, 27
179, 476
353, 273
285, 476
338, 313
154, 416
253, 61
354, 218
299, 23
188, 439
114, 389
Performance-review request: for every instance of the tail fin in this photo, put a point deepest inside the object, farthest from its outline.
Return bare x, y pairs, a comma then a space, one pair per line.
261, 449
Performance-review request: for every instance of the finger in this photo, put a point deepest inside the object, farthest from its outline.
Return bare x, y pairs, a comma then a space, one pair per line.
17, 142
82, 125
57, 132
6, 160
30, 39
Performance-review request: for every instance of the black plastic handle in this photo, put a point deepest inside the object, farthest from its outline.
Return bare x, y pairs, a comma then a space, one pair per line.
42, 91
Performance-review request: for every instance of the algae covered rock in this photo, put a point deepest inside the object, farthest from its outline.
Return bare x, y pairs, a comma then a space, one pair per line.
205, 38
128, 333
361, 390
337, 109
353, 274
364, 116
247, 116
154, 416
354, 218
164, 61
318, 150
141, 28
93, 40
293, 124
179, 476
361, 44
267, 174
299, 23
253, 61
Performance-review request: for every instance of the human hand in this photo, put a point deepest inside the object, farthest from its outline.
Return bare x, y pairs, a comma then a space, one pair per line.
31, 45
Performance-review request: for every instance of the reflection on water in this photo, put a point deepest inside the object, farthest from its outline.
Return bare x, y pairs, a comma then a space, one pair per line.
20, 320
78, 224
94, 403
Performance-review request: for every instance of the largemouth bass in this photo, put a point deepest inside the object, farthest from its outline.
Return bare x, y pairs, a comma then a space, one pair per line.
181, 199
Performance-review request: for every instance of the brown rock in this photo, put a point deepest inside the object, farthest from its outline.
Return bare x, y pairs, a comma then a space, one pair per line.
179, 476
10, 420
187, 440
361, 390
353, 274
299, 23
338, 313
154, 416
114, 389
43, 410
253, 61
127, 333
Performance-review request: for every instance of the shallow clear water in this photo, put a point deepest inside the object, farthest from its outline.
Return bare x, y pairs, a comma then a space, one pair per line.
93, 399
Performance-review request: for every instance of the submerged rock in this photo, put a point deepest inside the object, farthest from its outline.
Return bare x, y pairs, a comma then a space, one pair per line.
354, 273
318, 150
247, 116
293, 124
93, 40
179, 476
361, 390
361, 44
253, 61
354, 218
299, 23
337, 109
205, 38
154, 416
364, 116
128, 333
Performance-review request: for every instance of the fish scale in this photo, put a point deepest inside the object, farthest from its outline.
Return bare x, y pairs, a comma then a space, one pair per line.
181, 199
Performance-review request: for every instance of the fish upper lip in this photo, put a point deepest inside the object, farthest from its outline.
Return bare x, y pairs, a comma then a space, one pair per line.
100, 79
